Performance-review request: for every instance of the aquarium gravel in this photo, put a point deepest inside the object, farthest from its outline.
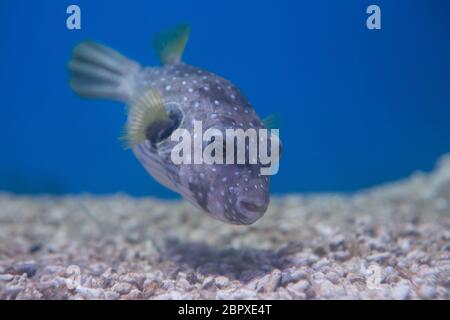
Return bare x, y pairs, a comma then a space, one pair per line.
392, 241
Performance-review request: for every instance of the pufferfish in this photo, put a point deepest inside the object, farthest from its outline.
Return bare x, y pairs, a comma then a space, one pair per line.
174, 95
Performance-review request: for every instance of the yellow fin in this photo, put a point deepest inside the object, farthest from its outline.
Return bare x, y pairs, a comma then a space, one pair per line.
272, 121
170, 44
146, 110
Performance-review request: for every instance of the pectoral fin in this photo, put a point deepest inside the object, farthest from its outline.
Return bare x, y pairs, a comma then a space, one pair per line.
145, 112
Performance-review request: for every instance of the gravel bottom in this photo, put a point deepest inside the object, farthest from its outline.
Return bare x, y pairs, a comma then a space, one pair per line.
390, 242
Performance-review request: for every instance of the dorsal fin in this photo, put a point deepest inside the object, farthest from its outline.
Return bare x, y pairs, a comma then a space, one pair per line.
272, 121
170, 44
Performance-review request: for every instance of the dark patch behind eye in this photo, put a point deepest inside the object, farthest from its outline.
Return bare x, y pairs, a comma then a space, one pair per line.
161, 130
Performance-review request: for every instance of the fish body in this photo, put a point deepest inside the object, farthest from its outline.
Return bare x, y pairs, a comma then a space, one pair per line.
182, 95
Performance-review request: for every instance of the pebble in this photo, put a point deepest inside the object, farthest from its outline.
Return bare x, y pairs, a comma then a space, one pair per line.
13, 290
400, 292
427, 292
300, 286
172, 295
379, 257
111, 295
89, 293
133, 295
242, 294
6, 277
292, 276
122, 288
29, 268
273, 281
221, 281
208, 282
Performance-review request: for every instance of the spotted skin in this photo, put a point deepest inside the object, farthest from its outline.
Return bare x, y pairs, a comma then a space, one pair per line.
233, 193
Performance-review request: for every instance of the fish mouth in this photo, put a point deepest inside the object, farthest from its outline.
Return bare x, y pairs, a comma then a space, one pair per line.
251, 209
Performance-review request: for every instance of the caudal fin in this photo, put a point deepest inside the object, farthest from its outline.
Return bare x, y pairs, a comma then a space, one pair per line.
97, 71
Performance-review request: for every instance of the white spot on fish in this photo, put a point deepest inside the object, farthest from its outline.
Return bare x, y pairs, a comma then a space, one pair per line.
168, 88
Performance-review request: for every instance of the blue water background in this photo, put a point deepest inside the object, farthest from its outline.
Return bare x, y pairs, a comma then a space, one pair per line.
358, 107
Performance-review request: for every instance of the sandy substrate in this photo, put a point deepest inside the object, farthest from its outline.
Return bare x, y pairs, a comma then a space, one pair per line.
391, 242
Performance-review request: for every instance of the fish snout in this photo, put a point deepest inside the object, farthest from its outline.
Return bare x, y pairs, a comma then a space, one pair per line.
251, 209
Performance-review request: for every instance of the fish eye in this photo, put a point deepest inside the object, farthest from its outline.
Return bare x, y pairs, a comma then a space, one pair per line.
159, 131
